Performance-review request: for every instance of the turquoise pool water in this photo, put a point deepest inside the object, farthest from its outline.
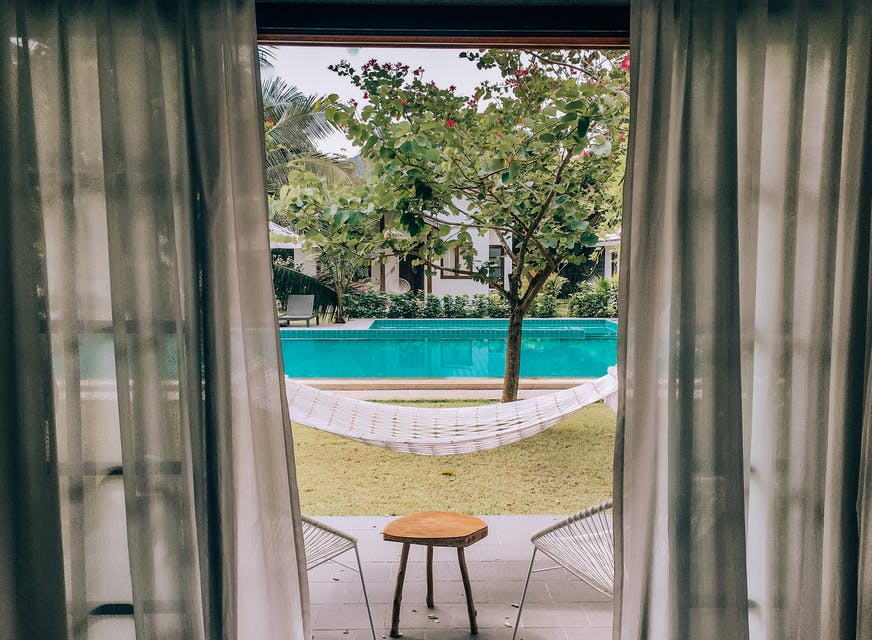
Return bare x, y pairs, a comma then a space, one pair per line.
551, 348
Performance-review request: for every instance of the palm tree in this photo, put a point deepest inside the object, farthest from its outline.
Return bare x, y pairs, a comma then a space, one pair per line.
293, 124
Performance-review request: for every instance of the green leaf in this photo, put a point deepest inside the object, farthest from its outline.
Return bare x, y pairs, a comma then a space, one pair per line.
506, 177
431, 155
547, 137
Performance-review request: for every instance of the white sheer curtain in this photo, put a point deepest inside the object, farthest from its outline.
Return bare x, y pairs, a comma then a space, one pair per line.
146, 475
743, 451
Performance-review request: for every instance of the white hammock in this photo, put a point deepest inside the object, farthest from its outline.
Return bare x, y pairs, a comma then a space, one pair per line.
439, 432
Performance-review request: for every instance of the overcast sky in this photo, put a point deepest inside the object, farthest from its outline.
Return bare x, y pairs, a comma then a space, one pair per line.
306, 68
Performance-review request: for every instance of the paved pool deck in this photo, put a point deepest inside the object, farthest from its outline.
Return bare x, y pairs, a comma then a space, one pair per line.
558, 607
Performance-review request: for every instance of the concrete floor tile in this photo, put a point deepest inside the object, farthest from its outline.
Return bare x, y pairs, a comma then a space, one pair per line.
446, 616
464, 634
510, 591
332, 572
559, 606
344, 634
600, 615
536, 615
346, 616
493, 616
574, 590
343, 591
530, 633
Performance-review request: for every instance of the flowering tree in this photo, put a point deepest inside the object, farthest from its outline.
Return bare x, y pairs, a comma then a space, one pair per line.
536, 158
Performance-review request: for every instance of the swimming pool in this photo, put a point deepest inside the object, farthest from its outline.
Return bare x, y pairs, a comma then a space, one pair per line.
552, 348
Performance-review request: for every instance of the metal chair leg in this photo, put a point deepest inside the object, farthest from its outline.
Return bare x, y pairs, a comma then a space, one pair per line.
365, 597
524, 594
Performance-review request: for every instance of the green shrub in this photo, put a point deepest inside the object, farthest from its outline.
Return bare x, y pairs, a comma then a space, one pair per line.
456, 306
545, 304
498, 308
432, 307
595, 299
480, 306
404, 305
366, 304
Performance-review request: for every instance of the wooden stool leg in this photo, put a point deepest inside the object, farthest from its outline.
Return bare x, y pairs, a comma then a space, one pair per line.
470, 606
398, 593
430, 576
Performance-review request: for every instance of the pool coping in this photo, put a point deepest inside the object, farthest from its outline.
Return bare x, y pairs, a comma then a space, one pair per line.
378, 384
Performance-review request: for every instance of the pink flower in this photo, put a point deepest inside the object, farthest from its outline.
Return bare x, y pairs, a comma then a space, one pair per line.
452, 88
450, 122
366, 95
586, 153
625, 63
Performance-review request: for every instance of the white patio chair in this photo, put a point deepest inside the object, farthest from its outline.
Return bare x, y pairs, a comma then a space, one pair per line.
322, 543
583, 545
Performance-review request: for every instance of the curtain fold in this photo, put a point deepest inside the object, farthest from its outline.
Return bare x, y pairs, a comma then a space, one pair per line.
147, 484
742, 454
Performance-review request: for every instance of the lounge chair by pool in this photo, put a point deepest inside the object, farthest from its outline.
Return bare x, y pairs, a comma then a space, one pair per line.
299, 307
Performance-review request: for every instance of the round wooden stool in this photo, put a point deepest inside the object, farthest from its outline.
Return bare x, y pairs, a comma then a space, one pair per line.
434, 529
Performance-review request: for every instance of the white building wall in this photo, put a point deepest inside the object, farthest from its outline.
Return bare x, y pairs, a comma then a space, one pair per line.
444, 284
306, 261
455, 287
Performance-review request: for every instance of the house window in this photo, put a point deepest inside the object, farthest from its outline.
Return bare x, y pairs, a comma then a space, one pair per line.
453, 260
496, 262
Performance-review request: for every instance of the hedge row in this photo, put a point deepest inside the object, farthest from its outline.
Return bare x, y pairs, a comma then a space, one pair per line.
597, 299
370, 304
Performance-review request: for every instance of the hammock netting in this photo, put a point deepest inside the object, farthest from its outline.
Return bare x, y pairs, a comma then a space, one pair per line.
443, 431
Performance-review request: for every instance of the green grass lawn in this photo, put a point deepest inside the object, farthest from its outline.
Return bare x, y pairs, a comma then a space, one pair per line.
564, 469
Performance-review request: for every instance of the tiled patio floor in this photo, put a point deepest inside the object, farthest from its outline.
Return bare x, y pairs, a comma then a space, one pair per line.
558, 607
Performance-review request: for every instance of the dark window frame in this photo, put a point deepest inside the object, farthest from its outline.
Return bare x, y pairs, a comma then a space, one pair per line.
502, 266
450, 23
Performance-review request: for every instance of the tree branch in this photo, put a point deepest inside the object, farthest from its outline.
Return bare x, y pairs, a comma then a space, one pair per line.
568, 65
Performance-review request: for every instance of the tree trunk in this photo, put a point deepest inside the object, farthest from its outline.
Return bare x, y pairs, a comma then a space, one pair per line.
513, 354
339, 314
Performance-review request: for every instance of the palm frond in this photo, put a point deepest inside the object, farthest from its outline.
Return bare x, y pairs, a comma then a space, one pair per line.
334, 169
294, 115
266, 56
294, 123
